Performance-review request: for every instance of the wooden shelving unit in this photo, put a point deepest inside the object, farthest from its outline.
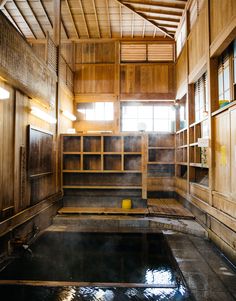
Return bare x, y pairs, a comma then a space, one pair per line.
181, 154
198, 157
102, 162
160, 161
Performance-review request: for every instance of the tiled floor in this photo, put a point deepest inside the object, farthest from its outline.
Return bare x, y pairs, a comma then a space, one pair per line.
209, 276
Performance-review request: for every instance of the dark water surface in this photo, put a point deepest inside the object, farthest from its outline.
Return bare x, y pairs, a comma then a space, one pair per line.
141, 258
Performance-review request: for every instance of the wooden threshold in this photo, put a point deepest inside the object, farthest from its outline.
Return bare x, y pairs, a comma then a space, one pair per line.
102, 210
84, 284
168, 208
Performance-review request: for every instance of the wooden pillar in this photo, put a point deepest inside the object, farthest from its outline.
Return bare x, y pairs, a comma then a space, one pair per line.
57, 42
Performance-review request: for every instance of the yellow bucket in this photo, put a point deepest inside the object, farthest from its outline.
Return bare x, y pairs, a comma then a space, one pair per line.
126, 204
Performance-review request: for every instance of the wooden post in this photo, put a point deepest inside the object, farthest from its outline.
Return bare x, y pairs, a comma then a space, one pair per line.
57, 41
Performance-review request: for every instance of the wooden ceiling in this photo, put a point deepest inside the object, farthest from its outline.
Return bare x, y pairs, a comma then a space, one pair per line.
91, 19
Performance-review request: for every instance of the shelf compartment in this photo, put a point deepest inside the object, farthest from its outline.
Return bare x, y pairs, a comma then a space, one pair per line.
71, 144
92, 162
199, 175
132, 144
161, 140
112, 144
72, 162
132, 162
161, 155
92, 143
98, 181
181, 155
161, 170
181, 171
112, 162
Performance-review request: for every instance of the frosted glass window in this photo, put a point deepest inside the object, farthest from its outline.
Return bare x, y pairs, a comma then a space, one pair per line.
147, 117
96, 111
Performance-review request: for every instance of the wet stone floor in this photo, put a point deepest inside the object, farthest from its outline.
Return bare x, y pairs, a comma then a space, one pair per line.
96, 267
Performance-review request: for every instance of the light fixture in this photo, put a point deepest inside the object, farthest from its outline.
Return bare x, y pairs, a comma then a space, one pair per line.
42, 115
69, 115
4, 94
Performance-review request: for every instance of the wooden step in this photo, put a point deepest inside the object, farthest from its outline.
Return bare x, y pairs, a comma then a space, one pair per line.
168, 208
102, 210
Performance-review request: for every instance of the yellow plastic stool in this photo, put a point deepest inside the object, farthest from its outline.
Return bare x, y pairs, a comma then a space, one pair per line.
126, 204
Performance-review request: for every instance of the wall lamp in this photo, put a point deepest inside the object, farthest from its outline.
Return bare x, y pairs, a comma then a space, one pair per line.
4, 94
69, 115
42, 115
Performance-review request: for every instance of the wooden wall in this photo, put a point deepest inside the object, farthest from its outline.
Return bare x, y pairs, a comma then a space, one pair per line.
198, 44
222, 24
30, 83
213, 206
181, 73
147, 81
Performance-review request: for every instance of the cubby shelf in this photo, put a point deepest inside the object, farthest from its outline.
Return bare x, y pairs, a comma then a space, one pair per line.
102, 162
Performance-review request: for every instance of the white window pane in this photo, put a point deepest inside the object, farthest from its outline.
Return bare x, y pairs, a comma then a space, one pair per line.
130, 125
227, 95
161, 112
130, 112
90, 115
226, 78
145, 124
220, 80
109, 111
162, 125
145, 111
99, 111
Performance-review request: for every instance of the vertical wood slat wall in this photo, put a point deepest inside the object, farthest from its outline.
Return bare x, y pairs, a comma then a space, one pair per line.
215, 205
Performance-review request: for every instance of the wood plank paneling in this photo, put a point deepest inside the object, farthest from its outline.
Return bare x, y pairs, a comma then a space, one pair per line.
181, 73
153, 80
6, 153
222, 153
32, 75
88, 53
197, 41
222, 24
97, 79
233, 154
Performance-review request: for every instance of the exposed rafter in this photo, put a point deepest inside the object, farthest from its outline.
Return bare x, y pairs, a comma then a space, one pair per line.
96, 18
39, 24
159, 11
23, 17
2, 3
108, 16
163, 30
13, 20
174, 6
72, 18
84, 18
121, 23
158, 18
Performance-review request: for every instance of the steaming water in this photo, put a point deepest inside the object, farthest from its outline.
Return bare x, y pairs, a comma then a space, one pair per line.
100, 258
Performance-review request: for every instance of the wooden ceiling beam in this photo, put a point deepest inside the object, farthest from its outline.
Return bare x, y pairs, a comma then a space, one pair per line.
158, 18
13, 21
2, 3
132, 26
167, 25
144, 28
108, 17
174, 6
96, 18
64, 28
84, 18
159, 12
36, 18
121, 25
23, 17
72, 19
163, 30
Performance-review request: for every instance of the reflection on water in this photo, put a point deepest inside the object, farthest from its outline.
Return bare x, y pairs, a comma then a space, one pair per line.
128, 258
27, 293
